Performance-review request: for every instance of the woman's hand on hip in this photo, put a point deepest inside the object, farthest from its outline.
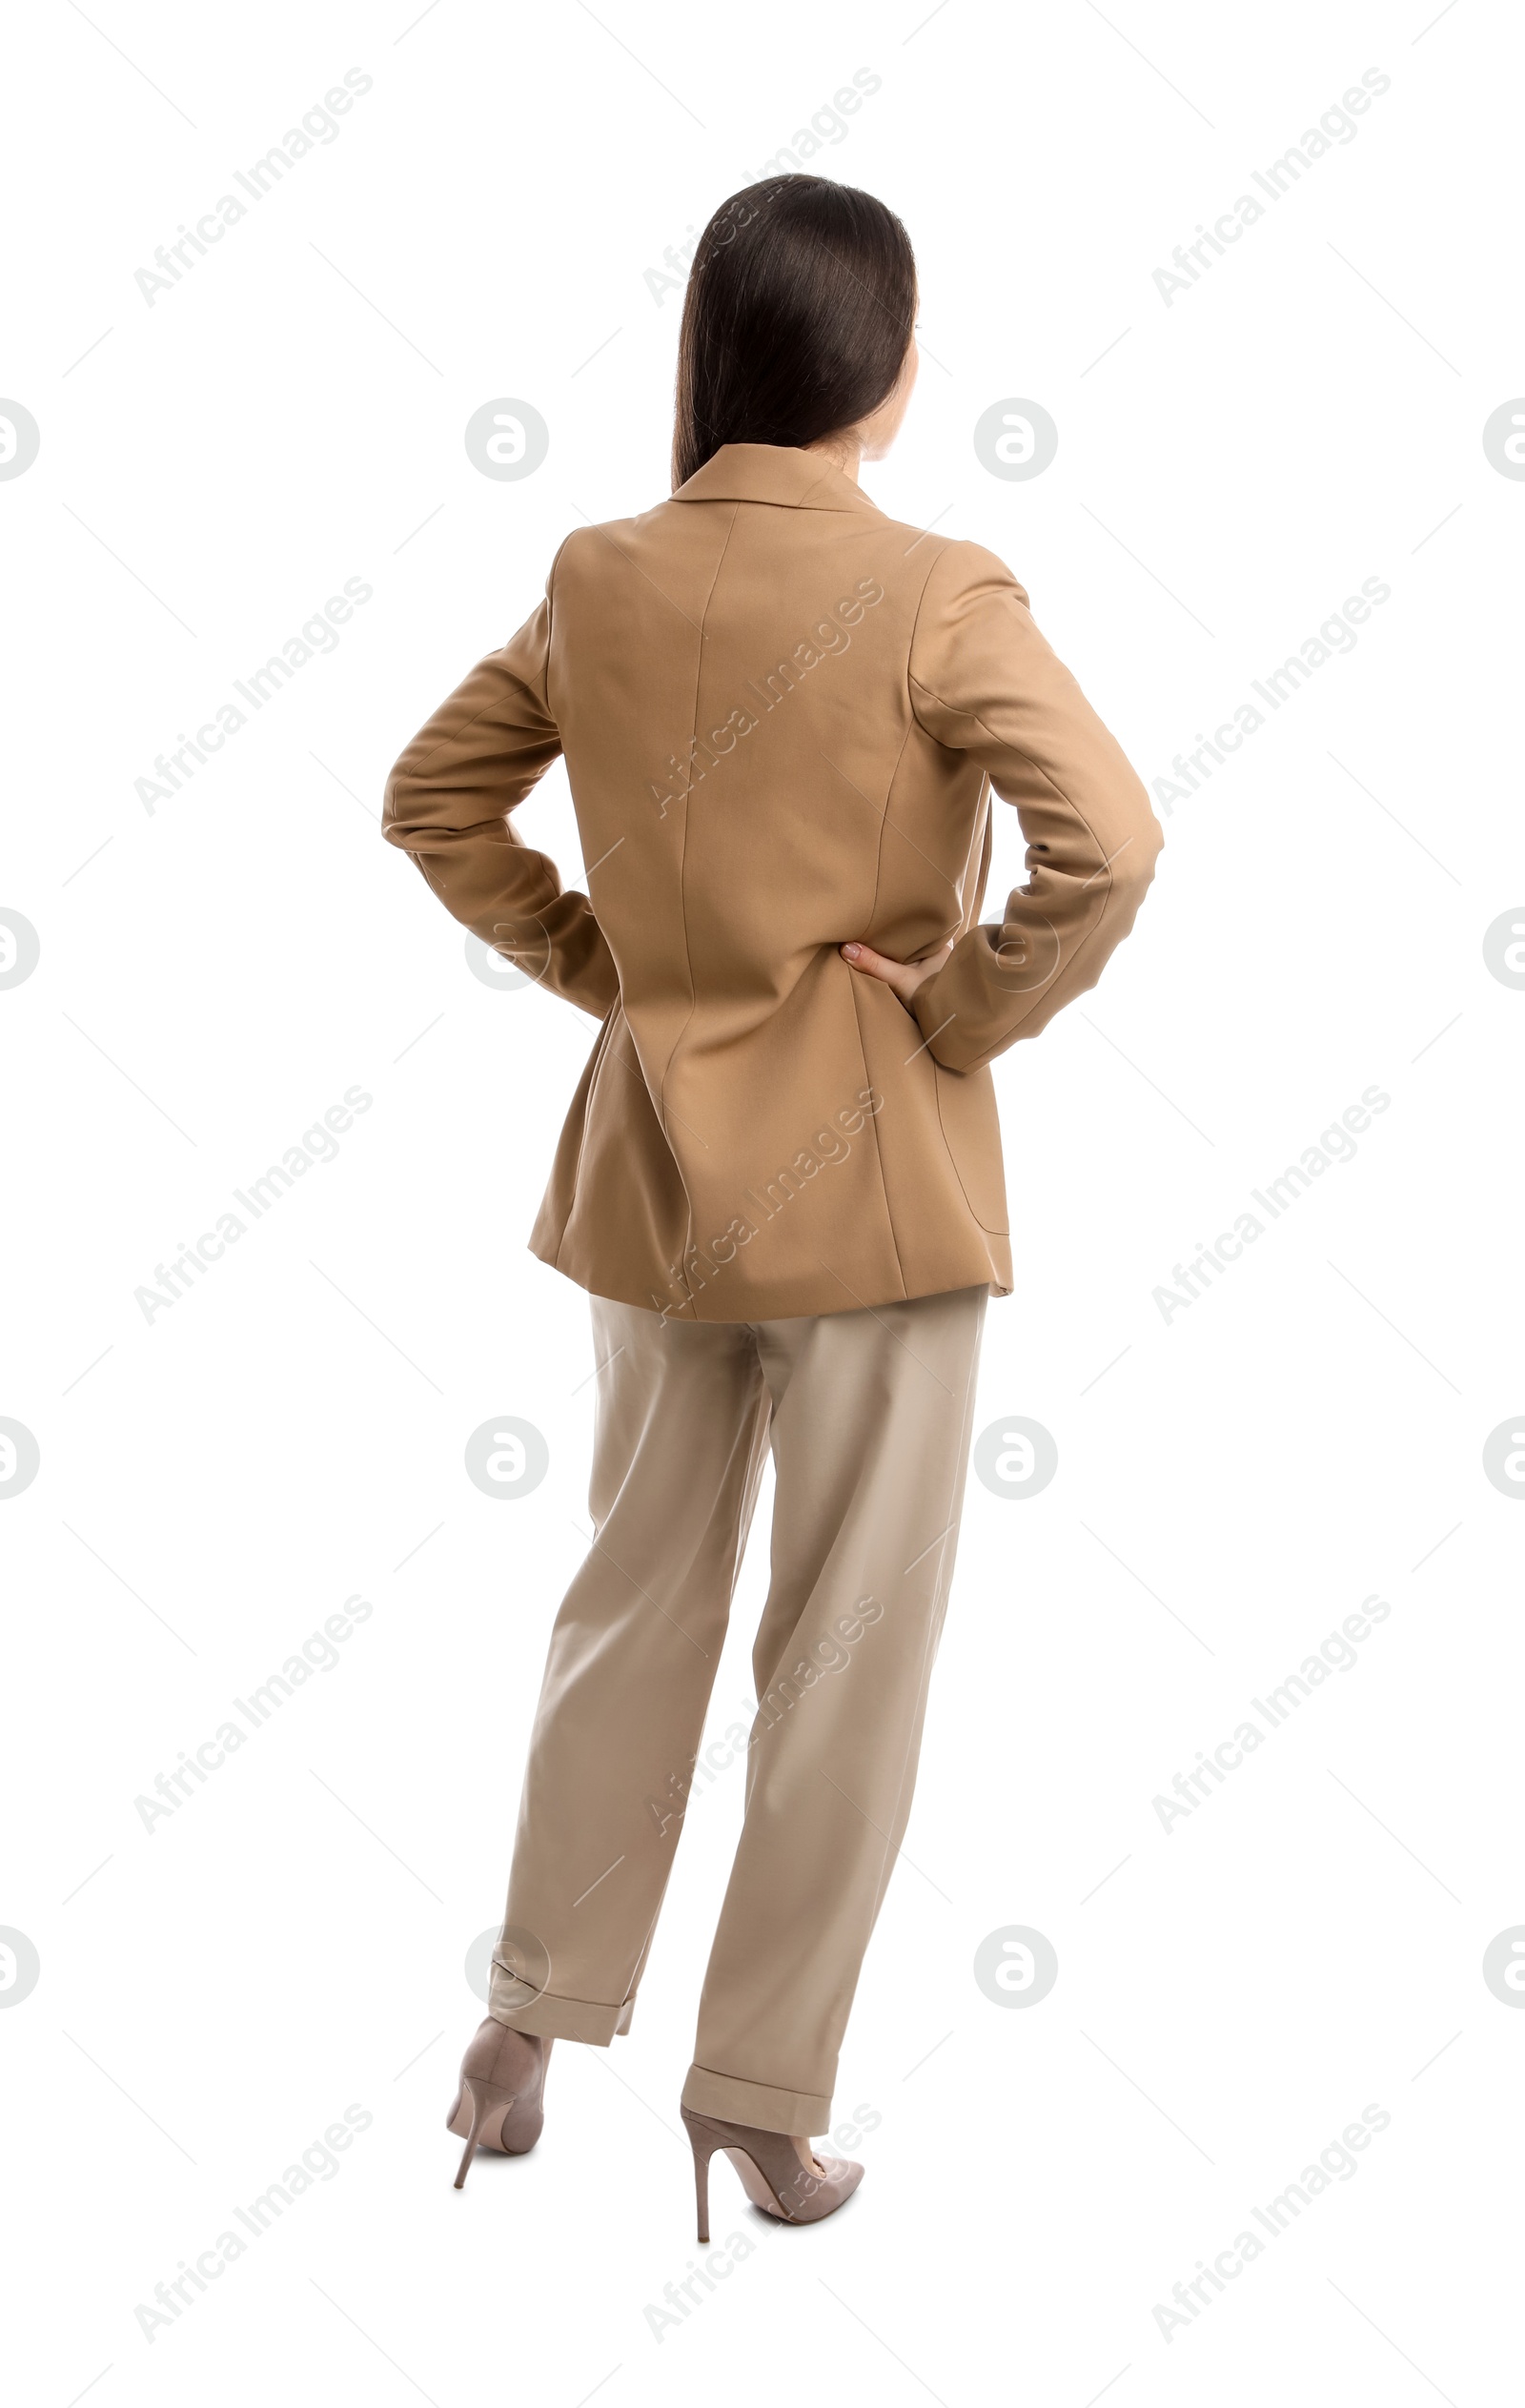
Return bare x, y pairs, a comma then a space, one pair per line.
904, 977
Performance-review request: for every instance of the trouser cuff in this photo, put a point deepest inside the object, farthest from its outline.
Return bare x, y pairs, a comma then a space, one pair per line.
515, 2003
756, 2103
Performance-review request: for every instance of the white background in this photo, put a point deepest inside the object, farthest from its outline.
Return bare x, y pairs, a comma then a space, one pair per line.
1231, 1482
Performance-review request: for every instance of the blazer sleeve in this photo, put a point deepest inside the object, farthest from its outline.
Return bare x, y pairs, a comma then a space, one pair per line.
448, 803
983, 681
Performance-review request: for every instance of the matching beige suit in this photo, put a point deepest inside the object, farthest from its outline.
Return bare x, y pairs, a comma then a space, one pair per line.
783, 716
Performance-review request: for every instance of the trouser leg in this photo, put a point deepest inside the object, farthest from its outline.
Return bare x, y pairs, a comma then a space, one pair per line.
681, 1434
871, 1420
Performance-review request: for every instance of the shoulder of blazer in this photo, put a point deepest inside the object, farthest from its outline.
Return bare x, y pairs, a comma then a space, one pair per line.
964, 570
962, 577
582, 541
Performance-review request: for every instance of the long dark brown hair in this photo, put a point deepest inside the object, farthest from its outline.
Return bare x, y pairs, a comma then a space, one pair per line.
799, 313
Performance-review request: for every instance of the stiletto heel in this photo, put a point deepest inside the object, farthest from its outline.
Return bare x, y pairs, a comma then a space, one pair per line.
702, 2158
499, 2104
771, 2173
481, 2104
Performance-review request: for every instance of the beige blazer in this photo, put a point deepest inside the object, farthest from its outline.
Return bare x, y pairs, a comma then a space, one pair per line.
783, 716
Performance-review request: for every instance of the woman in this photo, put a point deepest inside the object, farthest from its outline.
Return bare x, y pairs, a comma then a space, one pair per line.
783, 716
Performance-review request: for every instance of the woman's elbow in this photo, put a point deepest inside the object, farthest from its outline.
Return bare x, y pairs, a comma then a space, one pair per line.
399, 822
1132, 864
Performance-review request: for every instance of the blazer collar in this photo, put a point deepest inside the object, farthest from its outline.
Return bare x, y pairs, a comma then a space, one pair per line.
776, 473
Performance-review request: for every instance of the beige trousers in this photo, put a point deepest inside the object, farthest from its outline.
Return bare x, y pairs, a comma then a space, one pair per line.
868, 1417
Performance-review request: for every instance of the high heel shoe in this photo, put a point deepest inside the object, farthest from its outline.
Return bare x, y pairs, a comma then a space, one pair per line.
500, 2101
771, 2173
